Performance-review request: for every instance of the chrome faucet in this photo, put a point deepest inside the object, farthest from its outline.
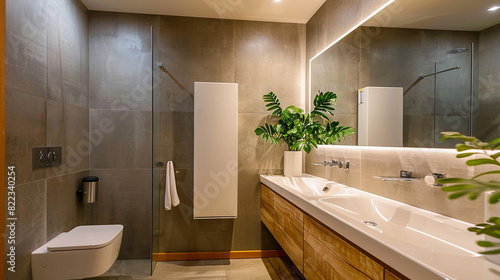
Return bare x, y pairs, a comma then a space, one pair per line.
333, 163
327, 163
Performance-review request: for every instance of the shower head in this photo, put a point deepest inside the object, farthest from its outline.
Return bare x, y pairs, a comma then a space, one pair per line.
457, 50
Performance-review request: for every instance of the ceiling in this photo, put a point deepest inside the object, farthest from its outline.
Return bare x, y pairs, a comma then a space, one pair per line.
295, 11
465, 15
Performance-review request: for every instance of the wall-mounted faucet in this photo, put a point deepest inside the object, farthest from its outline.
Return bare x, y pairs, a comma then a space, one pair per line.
340, 164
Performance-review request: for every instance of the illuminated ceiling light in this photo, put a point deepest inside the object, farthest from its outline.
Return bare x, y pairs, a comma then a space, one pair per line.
277, 1
494, 8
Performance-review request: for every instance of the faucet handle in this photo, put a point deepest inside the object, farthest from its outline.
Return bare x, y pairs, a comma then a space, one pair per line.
431, 179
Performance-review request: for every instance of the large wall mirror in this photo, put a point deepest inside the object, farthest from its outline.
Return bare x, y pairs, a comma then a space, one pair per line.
445, 57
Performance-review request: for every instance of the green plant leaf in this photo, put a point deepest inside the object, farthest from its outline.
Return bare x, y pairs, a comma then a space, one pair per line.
273, 103
493, 144
492, 252
455, 188
488, 244
463, 155
259, 131
487, 173
457, 194
482, 161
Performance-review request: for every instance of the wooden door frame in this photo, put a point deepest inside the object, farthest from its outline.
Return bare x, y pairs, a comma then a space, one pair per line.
2, 134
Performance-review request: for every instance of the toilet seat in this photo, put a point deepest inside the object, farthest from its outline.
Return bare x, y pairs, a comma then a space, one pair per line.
86, 237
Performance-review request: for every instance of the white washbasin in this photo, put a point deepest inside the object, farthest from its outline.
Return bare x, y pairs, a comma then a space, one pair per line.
419, 243
406, 225
315, 187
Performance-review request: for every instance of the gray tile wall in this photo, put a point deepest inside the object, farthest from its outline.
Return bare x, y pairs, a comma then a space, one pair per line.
120, 122
488, 121
260, 57
47, 105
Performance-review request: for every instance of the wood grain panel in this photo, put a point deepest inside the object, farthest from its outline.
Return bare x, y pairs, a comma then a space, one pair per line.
342, 252
340, 265
2, 129
185, 256
289, 230
267, 207
390, 276
315, 267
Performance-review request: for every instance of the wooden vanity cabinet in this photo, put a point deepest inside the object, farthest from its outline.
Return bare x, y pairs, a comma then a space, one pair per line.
316, 250
289, 230
267, 207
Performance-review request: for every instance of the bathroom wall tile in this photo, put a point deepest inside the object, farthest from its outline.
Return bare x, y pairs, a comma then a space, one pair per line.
418, 131
26, 65
55, 123
217, 65
488, 97
177, 138
312, 32
342, 16
25, 128
181, 233
67, 127
351, 177
31, 221
369, 6
54, 71
253, 152
120, 139
65, 210
249, 231
196, 33
124, 197
120, 61
388, 162
28, 19
180, 71
316, 156
269, 57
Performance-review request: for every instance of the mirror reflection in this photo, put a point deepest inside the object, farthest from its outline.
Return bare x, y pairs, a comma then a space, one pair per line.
447, 65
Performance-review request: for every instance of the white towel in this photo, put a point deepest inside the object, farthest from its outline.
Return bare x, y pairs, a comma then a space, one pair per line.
171, 197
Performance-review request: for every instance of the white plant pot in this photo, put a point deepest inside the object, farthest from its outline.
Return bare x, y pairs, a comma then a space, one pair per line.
491, 210
293, 163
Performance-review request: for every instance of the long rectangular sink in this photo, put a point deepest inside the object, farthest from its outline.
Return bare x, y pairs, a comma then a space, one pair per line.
418, 243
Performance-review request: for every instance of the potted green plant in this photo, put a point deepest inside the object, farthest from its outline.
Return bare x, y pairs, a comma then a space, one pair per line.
484, 153
302, 131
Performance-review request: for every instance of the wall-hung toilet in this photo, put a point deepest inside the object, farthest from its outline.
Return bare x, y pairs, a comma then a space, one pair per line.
85, 251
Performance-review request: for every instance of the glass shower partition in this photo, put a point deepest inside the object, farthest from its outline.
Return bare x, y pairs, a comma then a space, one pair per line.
158, 167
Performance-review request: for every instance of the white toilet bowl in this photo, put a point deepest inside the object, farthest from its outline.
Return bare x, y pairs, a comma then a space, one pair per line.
85, 251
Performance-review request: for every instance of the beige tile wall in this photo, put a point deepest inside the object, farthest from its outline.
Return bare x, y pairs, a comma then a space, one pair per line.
367, 162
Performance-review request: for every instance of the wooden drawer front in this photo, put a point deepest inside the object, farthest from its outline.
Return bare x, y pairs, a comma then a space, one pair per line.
315, 267
289, 230
267, 207
390, 276
344, 258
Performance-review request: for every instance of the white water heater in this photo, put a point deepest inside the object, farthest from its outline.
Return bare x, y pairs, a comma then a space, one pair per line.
380, 116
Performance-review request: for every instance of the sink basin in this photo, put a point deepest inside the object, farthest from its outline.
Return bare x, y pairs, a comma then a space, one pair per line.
315, 187
406, 225
362, 208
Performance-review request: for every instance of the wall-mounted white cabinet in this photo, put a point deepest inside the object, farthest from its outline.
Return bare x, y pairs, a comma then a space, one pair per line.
215, 150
